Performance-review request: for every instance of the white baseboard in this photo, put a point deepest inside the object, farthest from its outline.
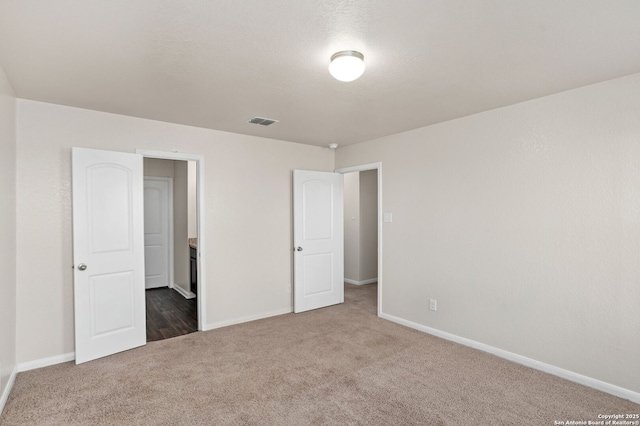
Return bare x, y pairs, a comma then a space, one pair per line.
247, 319
45, 362
7, 389
369, 281
519, 359
186, 294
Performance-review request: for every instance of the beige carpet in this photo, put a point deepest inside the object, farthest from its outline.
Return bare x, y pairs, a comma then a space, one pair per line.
340, 365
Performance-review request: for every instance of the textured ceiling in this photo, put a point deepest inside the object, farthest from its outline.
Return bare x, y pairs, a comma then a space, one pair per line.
216, 64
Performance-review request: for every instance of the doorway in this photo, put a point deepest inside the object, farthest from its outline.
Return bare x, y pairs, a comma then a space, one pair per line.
362, 228
170, 228
108, 234
179, 308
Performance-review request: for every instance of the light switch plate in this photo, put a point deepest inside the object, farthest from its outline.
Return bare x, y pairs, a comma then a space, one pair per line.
387, 218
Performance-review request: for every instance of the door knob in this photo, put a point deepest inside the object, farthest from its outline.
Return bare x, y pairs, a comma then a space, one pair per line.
299, 248
82, 267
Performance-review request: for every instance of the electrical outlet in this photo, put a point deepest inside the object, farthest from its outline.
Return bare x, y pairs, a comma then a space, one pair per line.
433, 304
289, 289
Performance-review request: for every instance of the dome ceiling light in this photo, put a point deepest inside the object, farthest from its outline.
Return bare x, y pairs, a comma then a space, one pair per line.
347, 65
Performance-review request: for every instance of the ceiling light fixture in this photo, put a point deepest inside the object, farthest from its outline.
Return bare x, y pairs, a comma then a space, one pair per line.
347, 65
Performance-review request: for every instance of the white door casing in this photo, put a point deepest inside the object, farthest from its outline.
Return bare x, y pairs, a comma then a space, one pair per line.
108, 252
318, 239
158, 231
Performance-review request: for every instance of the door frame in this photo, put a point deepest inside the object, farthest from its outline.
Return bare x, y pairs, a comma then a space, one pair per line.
199, 159
170, 219
363, 168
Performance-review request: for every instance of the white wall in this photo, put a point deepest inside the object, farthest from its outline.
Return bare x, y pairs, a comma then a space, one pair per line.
352, 227
368, 225
524, 224
157, 167
361, 227
181, 255
192, 204
8, 280
248, 215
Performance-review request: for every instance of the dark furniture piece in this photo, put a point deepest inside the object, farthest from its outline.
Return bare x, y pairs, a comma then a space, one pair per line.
194, 269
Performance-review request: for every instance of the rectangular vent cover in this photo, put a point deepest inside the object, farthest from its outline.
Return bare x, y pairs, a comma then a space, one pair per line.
262, 121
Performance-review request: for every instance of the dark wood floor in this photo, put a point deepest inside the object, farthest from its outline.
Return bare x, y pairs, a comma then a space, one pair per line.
169, 314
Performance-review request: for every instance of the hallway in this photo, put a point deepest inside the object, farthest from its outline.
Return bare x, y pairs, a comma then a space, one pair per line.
169, 314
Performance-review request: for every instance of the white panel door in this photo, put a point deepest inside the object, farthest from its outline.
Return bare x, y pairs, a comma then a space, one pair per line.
318, 258
108, 252
157, 227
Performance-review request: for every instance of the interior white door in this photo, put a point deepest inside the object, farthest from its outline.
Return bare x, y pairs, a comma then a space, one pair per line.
108, 252
157, 227
318, 236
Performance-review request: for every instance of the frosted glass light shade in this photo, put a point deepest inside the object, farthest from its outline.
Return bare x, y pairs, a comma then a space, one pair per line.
347, 65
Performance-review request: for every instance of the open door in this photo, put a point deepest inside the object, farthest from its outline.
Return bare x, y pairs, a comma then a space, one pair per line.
318, 258
108, 252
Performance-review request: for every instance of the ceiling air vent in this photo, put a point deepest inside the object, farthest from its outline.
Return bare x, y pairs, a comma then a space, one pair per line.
262, 121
